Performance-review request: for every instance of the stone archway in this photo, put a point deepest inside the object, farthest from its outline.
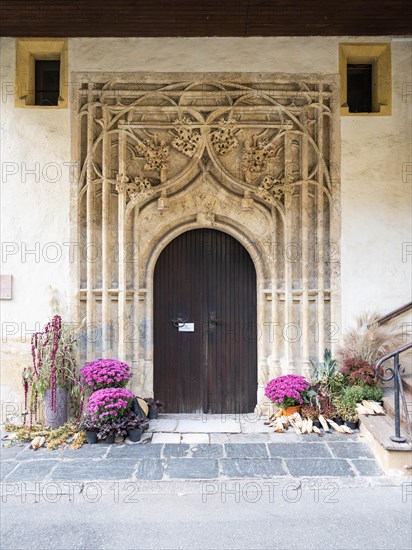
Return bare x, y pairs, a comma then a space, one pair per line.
253, 155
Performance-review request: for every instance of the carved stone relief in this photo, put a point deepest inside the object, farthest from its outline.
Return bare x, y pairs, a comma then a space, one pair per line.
247, 154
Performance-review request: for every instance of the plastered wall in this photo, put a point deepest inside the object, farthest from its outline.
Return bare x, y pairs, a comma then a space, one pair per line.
376, 176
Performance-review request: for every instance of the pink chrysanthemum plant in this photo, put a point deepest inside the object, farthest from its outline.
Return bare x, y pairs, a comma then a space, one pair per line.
286, 391
106, 373
109, 404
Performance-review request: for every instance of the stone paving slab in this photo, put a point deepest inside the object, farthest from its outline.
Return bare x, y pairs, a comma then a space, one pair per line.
150, 469
208, 425
252, 468
176, 451
218, 439
351, 449
207, 451
196, 468
32, 470
39, 454
199, 438
6, 467
11, 452
166, 437
251, 424
299, 450
326, 437
367, 467
113, 469
257, 450
163, 425
303, 467
87, 451
248, 438
135, 451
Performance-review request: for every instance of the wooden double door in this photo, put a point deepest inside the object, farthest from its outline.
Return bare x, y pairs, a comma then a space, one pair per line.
205, 328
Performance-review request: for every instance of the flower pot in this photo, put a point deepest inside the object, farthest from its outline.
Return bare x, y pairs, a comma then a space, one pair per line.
135, 434
56, 418
352, 425
317, 424
338, 421
153, 413
91, 437
291, 410
109, 439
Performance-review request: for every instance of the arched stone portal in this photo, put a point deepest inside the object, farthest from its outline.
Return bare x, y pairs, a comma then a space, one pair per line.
255, 156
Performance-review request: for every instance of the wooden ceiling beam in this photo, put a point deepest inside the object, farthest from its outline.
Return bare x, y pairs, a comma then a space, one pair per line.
152, 18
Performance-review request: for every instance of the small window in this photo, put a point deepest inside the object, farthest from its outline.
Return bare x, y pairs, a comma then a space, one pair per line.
47, 82
41, 73
359, 92
365, 79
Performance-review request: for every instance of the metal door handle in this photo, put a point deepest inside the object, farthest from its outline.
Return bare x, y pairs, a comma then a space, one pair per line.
213, 321
179, 321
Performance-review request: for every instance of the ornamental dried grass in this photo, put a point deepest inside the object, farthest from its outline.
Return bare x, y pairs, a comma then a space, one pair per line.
368, 340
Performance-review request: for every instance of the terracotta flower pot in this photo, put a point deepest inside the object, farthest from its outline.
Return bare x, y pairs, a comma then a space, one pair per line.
291, 410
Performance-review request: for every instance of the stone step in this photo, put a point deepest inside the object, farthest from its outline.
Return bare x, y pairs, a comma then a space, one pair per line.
393, 458
389, 405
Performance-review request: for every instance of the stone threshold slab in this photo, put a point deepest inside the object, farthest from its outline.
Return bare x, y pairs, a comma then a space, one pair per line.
202, 423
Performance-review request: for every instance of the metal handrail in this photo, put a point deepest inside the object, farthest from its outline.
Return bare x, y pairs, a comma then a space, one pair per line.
395, 313
394, 374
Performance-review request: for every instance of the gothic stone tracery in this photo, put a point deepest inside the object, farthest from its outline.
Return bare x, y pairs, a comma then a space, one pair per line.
255, 154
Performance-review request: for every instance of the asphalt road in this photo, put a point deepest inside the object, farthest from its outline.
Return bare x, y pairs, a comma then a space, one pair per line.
224, 515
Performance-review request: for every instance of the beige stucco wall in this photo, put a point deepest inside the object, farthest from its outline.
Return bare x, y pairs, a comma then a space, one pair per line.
376, 176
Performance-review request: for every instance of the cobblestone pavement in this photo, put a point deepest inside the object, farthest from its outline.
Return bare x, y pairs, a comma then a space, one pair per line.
226, 456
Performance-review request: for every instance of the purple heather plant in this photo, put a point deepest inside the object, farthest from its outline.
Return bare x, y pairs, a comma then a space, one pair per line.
106, 373
287, 391
109, 404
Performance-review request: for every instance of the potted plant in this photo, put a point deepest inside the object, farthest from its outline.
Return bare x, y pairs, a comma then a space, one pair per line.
359, 372
325, 377
323, 372
312, 411
347, 411
367, 341
154, 406
134, 425
346, 402
106, 432
289, 392
91, 428
53, 375
318, 404
105, 373
107, 407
